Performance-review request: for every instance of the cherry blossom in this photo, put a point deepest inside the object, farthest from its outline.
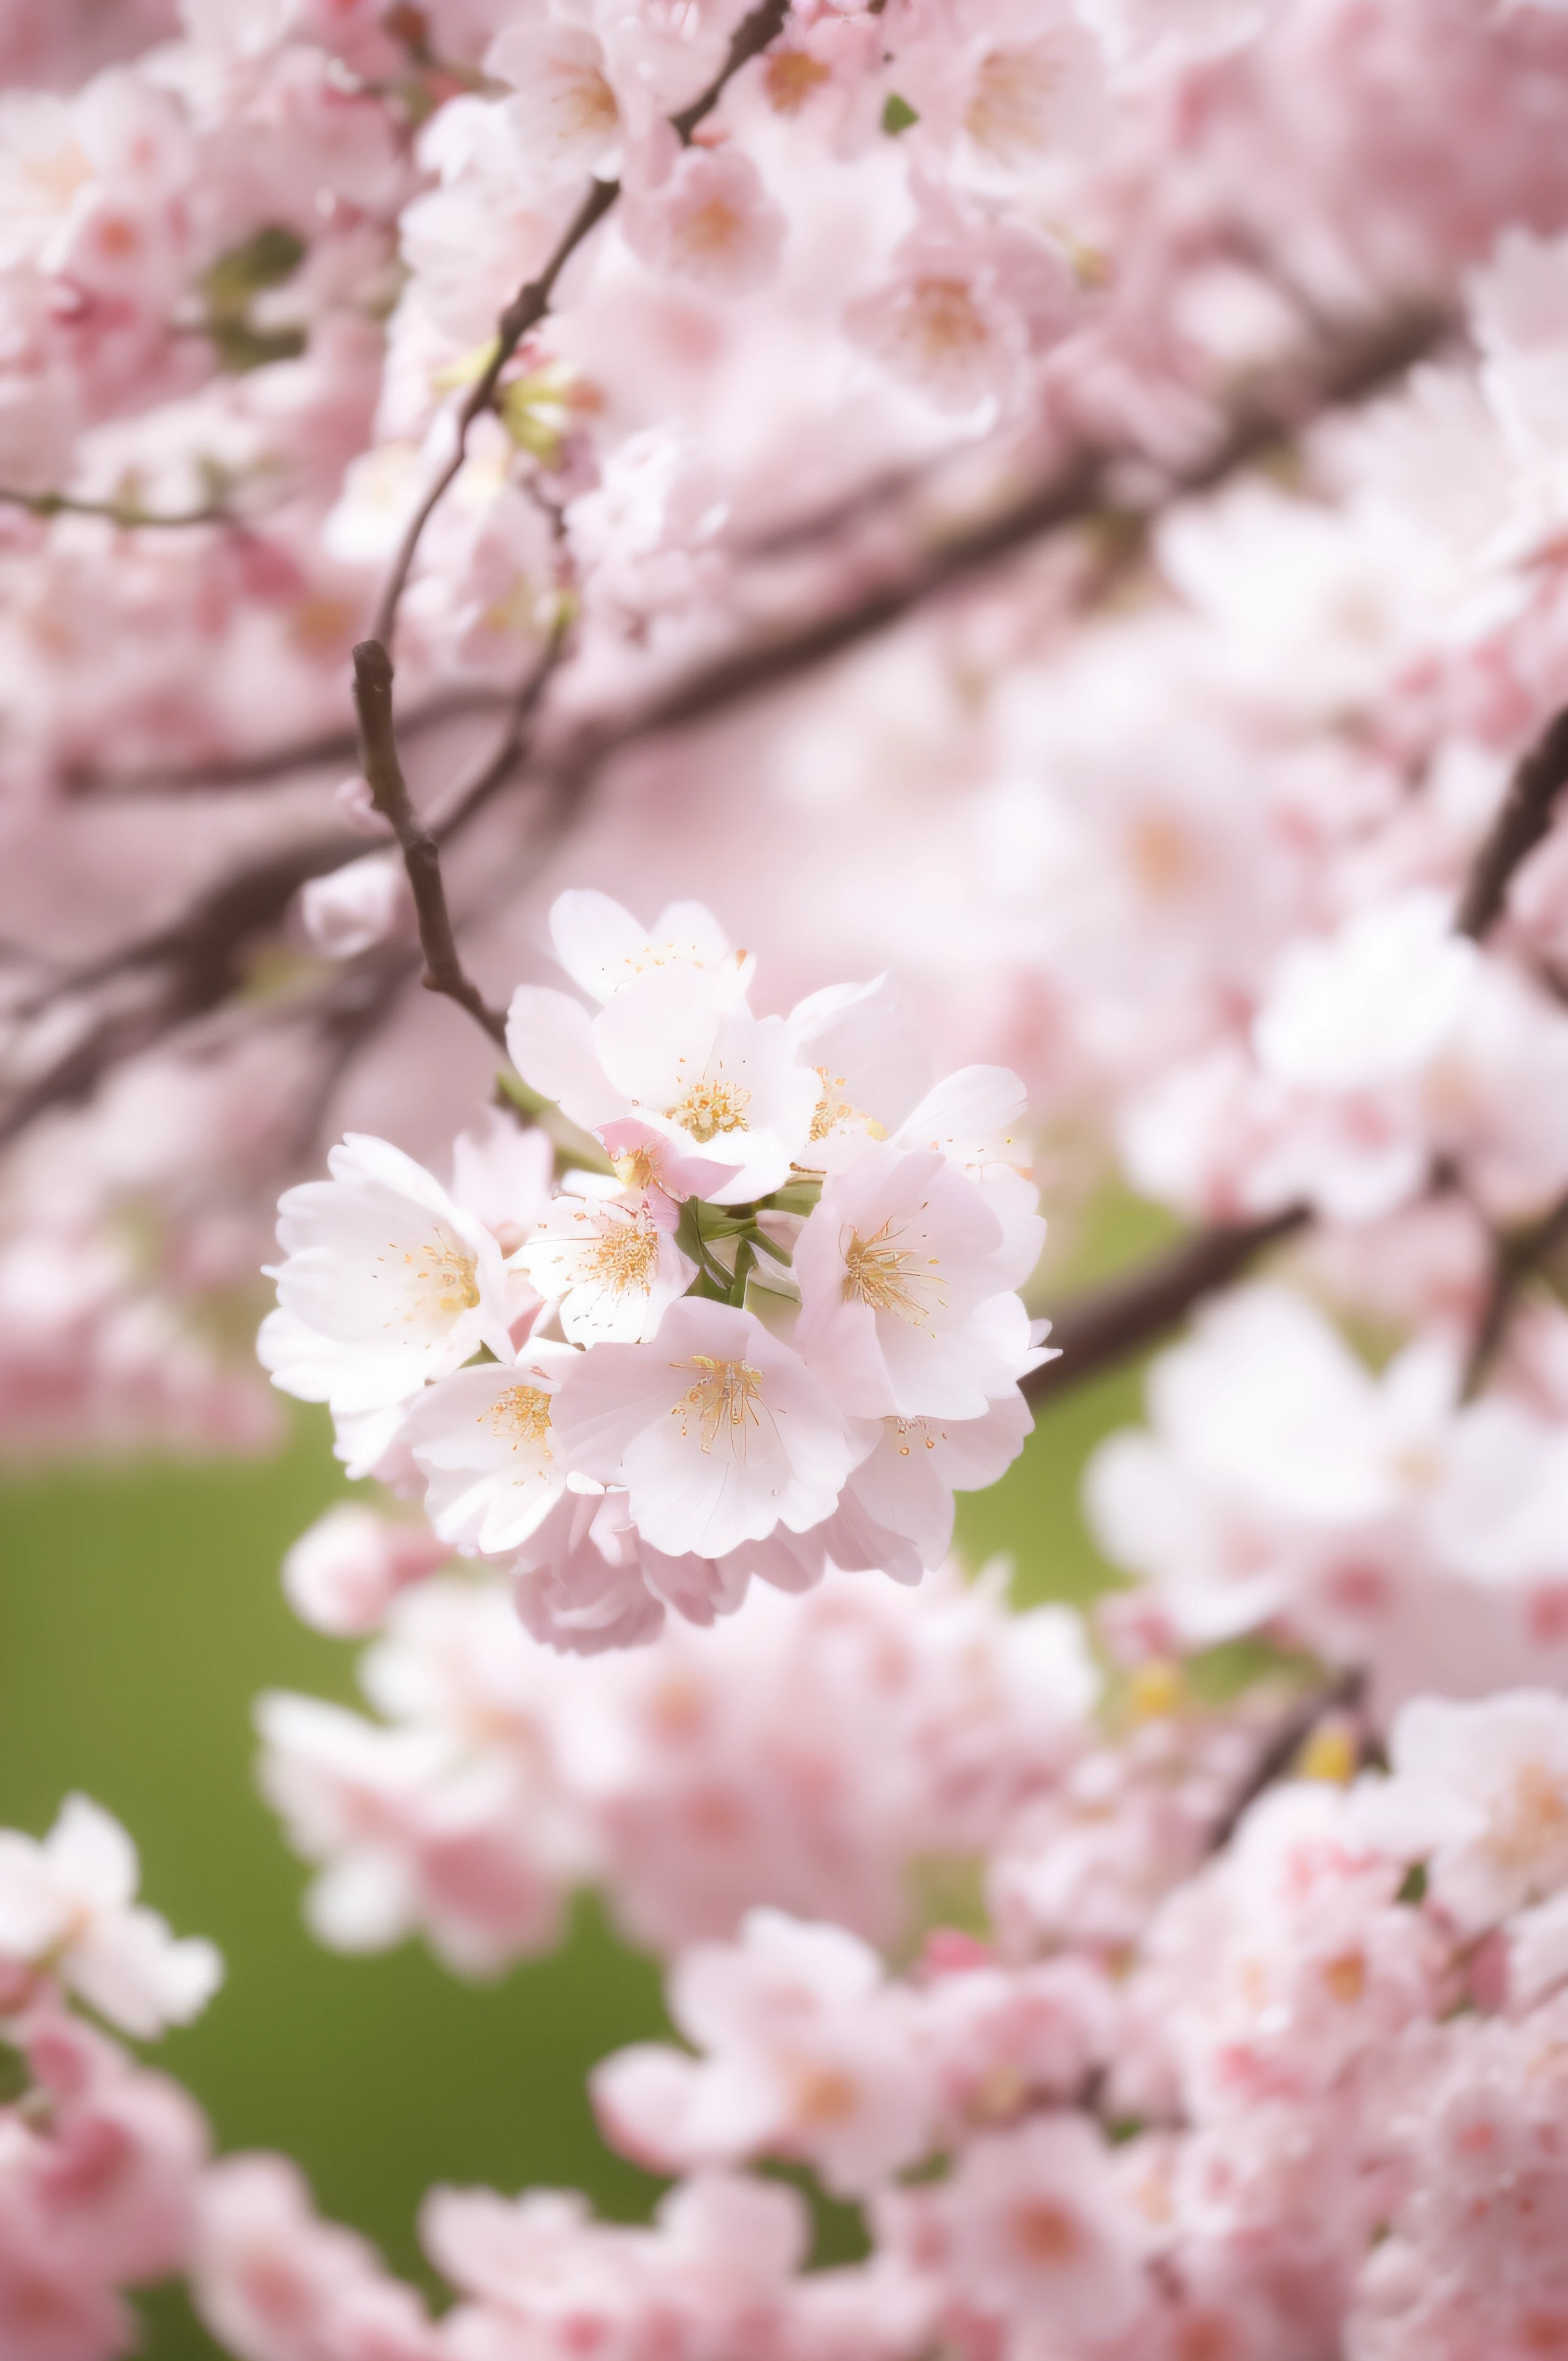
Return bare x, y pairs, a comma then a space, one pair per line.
67, 1907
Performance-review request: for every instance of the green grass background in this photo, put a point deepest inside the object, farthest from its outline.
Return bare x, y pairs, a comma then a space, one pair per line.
140, 1613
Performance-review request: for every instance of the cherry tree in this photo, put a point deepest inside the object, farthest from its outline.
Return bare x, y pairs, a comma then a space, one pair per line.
542, 536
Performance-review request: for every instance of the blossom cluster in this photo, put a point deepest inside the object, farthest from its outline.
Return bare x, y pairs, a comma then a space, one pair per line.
1309, 2099
772, 1321
253, 256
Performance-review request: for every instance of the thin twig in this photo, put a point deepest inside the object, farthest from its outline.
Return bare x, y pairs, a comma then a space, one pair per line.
1108, 1323
1342, 1695
443, 970
1514, 1258
285, 761
511, 753
532, 302
198, 960
1538, 779
124, 513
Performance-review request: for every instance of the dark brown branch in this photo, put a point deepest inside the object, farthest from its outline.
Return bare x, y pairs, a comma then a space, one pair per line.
532, 302
509, 755
198, 961
1526, 815
1340, 1696
286, 760
443, 971
1515, 1256
1107, 1324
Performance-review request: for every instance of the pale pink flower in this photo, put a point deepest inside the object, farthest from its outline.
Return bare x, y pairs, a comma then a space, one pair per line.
484, 1443
67, 1907
608, 1262
907, 1307
386, 1282
718, 1432
1040, 2235
1479, 1794
709, 221
349, 909
809, 2054
277, 2283
343, 1572
896, 1509
601, 946
565, 116
674, 1048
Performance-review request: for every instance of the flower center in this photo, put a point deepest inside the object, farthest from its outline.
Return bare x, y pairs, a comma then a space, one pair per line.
1530, 1822
444, 1274
625, 1257
1046, 2233
725, 1396
878, 1272
1010, 106
524, 1413
586, 104
709, 1108
789, 78
832, 1110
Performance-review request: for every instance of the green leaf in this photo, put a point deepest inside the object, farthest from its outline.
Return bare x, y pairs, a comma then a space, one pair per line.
13, 2078
273, 255
240, 348
897, 115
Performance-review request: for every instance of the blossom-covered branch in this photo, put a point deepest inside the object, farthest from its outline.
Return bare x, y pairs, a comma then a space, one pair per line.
528, 307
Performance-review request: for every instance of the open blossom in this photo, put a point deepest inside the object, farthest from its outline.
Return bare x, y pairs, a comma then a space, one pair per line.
276, 2283
674, 1048
1040, 2234
709, 221
68, 1908
343, 1572
610, 1263
1479, 1795
808, 2056
387, 1281
907, 1306
896, 1509
482, 1439
718, 1432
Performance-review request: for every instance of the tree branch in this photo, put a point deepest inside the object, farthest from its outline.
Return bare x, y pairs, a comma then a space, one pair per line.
1108, 1323
1081, 493
1514, 1258
1538, 779
124, 513
443, 971
532, 302
1342, 1695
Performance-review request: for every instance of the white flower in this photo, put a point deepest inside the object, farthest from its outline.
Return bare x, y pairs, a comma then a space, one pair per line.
364, 902
870, 1062
674, 1048
601, 946
566, 116
905, 1283
482, 1440
718, 1432
609, 1262
1372, 1005
896, 1510
1479, 1793
387, 1282
69, 1905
